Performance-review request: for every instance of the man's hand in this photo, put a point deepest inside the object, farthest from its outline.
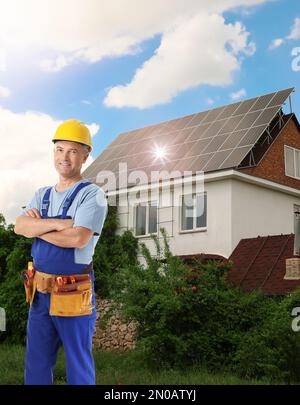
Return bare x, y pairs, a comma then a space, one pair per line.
60, 224
33, 212
31, 224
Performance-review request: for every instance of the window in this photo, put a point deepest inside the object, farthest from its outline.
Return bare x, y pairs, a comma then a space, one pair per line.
292, 162
193, 211
146, 218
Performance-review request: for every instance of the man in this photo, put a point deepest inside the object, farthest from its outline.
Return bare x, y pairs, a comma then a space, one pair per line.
66, 221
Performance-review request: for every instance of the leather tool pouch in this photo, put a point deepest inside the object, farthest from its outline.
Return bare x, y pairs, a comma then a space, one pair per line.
72, 300
30, 289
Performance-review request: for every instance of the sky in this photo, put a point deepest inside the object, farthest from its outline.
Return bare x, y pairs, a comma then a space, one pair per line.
119, 65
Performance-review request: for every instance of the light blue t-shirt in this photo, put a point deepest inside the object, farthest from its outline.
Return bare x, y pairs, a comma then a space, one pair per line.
89, 209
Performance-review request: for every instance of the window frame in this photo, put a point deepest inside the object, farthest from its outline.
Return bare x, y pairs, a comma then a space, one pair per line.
195, 228
147, 203
295, 151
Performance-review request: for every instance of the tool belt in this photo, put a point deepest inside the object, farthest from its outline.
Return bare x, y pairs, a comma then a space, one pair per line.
70, 295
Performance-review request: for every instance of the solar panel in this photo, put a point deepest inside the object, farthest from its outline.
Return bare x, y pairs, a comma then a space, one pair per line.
280, 97
130, 136
234, 157
183, 164
250, 136
214, 128
248, 120
210, 140
179, 137
233, 139
199, 132
215, 143
156, 130
198, 118
200, 161
213, 115
266, 116
107, 153
231, 124
245, 106
216, 160
172, 137
229, 110
197, 147
262, 102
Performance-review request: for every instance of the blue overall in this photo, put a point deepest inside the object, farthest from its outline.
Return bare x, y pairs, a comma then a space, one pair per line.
45, 333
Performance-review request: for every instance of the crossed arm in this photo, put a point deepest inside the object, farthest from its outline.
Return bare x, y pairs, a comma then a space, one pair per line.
59, 232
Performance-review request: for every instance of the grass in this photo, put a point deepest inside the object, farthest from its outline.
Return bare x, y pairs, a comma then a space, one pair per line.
129, 368
113, 368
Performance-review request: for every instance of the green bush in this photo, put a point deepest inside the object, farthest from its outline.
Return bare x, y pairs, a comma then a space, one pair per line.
111, 253
195, 317
7, 242
272, 348
12, 294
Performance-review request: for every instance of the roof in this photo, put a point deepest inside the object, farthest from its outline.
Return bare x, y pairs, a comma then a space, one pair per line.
189, 259
215, 139
259, 263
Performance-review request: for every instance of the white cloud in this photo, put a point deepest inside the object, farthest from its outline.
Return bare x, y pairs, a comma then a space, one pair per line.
89, 30
238, 94
110, 48
4, 91
50, 65
210, 101
295, 30
86, 102
94, 129
26, 161
71, 31
189, 55
276, 43
293, 35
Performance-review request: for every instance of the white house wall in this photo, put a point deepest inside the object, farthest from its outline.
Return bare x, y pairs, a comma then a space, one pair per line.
215, 239
260, 211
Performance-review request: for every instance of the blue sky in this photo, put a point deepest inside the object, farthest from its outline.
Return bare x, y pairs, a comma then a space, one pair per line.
78, 86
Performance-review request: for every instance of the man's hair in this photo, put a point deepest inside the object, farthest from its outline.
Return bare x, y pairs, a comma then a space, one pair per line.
86, 148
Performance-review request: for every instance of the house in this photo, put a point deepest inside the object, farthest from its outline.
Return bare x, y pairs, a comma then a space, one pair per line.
211, 179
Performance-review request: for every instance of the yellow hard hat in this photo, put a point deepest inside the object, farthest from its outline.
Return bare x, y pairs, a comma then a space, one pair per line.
75, 131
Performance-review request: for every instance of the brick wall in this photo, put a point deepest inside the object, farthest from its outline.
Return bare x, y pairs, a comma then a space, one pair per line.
272, 167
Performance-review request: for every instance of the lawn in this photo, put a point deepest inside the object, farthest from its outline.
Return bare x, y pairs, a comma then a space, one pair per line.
114, 368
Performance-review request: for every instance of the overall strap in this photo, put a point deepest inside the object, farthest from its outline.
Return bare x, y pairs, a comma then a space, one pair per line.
70, 199
46, 202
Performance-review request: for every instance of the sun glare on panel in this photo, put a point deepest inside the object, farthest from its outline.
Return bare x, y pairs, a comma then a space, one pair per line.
160, 153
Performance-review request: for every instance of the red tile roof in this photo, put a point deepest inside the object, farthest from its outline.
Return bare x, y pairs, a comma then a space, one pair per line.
188, 259
260, 263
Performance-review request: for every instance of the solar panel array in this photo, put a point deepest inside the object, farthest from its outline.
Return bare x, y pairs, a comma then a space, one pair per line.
211, 140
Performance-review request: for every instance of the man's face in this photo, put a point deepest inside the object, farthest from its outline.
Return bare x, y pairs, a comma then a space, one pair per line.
69, 157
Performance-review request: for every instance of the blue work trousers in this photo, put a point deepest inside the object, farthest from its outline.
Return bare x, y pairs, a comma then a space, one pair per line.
45, 334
